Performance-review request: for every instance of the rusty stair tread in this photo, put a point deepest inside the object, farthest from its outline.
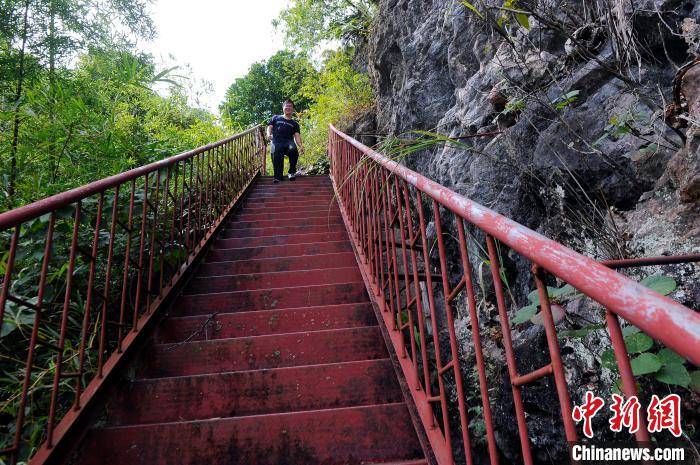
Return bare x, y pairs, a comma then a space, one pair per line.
289, 191
277, 251
282, 230
263, 322
277, 223
301, 194
377, 433
299, 215
260, 352
244, 393
276, 298
305, 238
252, 209
254, 281
278, 264
290, 204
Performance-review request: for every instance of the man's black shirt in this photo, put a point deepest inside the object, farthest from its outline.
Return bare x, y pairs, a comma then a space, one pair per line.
283, 129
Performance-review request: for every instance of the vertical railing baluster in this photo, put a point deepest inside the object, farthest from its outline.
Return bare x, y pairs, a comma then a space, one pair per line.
188, 237
64, 326
34, 339
125, 275
629, 387
454, 363
386, 246
163, 232
154, 241
7, 280
508, 347
107, 285
441, 397
412, 237
142, 246
406, 282
476, 339
555, 356
88, 304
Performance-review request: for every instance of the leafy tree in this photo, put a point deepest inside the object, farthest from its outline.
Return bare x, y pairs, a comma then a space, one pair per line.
37, 39
338, 94
307, 24
259, 94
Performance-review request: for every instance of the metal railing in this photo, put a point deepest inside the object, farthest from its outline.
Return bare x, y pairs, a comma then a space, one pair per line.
383, 204
110, 253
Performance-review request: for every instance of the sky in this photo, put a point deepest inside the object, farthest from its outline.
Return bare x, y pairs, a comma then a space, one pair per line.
219, 39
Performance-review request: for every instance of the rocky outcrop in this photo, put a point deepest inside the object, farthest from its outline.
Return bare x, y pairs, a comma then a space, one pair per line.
584, 152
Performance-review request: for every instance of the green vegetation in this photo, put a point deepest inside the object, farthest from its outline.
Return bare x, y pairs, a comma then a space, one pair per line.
252, 99
308, 24
75, 97
338, 94
664, 366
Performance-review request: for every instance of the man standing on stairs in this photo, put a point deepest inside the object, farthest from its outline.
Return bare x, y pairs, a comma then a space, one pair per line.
286, 137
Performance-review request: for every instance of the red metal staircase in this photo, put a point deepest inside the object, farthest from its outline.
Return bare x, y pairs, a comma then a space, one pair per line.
273, 354
191, 312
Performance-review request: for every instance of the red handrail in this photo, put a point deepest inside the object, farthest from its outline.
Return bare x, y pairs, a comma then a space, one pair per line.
124, 247
381, 200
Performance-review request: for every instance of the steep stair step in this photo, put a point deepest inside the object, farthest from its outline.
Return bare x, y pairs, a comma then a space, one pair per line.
328, 236
277, 264
258, 209
287, 194
275, 191
290, 205
284, 223
270, 299
209, 284
277, 231
300, 217
305, 198
278, 251
294, 215
264, 322
313, 180
294, 389
262, 352
352, 435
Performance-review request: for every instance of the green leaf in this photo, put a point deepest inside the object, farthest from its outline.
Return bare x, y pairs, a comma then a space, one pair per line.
630, 330
638, 343
472, 8
524, 314
695, 380
534, 296
565, 100
669, 357
608, 360
523, 20
583, 332
675, 374
651, 148
564, 291
7, 327
644, 364
662, 284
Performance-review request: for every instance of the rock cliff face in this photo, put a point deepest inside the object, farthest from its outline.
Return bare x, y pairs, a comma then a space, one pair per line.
598, 144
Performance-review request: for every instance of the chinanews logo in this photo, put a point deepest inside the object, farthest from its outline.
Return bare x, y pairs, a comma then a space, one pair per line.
661, 415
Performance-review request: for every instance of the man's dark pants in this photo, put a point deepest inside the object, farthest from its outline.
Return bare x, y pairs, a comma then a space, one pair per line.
279, 150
